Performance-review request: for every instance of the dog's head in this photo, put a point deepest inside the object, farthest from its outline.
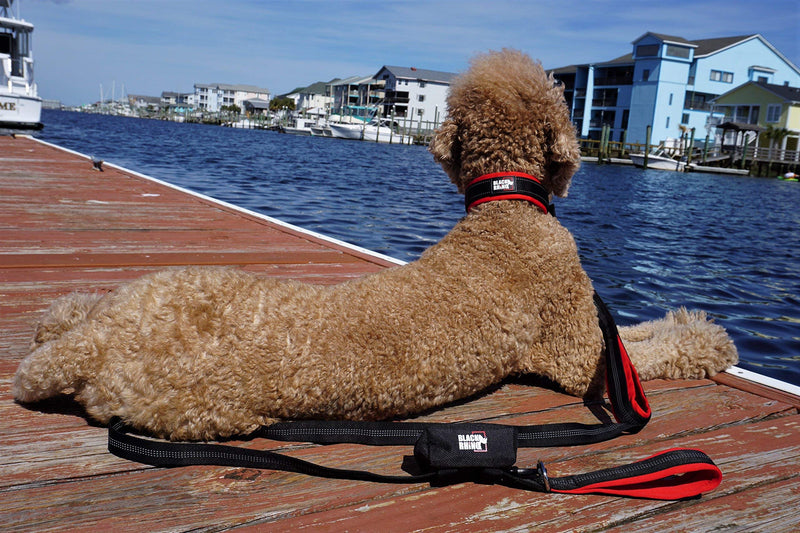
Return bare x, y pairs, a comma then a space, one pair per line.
506, 115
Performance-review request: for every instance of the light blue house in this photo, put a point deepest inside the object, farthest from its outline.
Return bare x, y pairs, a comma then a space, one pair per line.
667, 83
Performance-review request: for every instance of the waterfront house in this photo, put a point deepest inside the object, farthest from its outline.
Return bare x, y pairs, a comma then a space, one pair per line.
414, 93
212, 97
770, 106
255, 107
668, 83
313, 99
175, 102
354, 92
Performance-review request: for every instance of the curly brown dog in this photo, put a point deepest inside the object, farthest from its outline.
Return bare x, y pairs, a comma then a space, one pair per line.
199, 353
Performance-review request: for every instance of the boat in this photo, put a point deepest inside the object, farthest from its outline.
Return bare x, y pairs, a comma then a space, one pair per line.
382, 131
321, 130
20, 105
299, 126
658, 160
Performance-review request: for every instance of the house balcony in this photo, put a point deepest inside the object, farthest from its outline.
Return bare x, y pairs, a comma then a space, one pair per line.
613, 80
604, 102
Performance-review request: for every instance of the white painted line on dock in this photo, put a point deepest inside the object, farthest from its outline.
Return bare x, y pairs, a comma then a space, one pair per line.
764, 380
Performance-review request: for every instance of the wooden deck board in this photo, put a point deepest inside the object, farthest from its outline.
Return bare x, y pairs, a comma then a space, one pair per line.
65, 227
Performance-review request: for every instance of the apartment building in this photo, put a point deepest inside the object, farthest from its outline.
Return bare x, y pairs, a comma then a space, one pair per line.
668, 83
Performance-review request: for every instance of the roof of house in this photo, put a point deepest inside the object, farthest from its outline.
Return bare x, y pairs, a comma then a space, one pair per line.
413, 73
787, 93
232, 87
352, 80
707, 47
703, 47
315, 88
666, 38
257, 103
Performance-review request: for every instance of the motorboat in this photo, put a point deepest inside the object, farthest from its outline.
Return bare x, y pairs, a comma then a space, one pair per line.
382, 131
20, 105
658, 160
299, 126
321, 130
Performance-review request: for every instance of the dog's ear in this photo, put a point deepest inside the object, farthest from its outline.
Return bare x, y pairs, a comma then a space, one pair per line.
446, 150
564, 159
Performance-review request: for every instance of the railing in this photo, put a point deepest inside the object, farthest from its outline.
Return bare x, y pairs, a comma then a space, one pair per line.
613, 80
775, 155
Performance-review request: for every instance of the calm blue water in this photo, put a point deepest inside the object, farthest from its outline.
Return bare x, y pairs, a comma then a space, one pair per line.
651, 240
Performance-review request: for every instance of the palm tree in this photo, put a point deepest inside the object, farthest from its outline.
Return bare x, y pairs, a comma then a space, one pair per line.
774, 135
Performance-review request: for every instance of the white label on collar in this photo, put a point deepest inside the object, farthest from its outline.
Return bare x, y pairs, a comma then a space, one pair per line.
504, 184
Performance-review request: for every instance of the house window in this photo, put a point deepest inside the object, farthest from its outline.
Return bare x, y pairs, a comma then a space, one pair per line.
421, 98
773, 113
647, 50
645, 74
685, 118
668, 122
762, 79
742, 113
670, 99
718, 75
422, 85
677, 51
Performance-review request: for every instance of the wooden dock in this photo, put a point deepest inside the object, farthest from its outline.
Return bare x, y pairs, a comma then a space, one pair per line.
64, 226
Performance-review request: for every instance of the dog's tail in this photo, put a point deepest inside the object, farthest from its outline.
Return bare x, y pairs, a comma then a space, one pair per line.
61, 365
682, 345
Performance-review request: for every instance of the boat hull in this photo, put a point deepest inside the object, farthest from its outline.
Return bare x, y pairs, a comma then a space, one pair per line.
367, 133
658, 162
20, 112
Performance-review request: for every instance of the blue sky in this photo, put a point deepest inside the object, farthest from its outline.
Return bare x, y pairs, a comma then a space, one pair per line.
154, 45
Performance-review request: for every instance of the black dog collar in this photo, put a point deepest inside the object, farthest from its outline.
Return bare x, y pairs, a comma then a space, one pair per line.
507, 186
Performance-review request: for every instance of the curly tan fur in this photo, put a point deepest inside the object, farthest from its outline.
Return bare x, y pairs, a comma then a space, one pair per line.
199, 353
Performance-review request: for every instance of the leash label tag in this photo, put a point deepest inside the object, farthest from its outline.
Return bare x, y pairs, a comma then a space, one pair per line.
467, 446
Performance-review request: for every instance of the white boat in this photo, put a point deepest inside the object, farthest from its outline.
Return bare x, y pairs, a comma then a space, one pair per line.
658, 160
375, 131
321, 130
20, 105
299, 126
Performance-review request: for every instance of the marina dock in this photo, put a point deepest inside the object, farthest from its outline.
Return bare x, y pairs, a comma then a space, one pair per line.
65, 226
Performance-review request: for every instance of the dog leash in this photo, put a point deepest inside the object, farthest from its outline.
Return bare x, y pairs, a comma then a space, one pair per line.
446, 453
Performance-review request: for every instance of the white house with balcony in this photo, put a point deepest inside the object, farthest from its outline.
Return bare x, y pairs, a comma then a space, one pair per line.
413, 93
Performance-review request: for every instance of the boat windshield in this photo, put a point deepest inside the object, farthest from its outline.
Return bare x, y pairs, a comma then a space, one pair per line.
15, 43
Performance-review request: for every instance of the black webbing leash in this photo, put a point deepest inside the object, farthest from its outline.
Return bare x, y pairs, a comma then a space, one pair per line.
455, 452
